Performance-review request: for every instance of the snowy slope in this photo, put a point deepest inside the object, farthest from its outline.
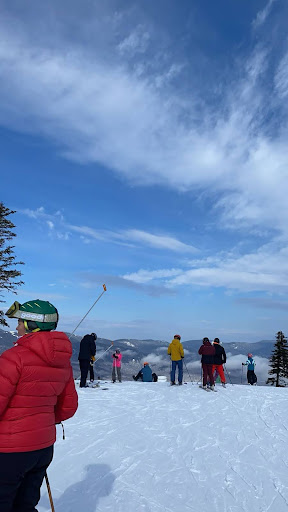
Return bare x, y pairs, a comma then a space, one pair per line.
150, 447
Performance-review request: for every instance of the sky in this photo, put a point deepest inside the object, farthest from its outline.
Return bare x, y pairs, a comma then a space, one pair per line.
144, 145
206, 451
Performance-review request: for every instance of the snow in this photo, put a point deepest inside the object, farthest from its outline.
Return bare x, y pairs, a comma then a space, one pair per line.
151, 447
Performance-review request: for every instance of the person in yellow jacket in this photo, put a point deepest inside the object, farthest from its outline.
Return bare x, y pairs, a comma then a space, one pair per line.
176, 352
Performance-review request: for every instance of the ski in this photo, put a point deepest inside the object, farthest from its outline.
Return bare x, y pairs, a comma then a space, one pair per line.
205, 389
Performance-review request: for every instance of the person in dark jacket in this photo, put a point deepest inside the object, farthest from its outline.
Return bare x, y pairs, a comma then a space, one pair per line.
207, 351
86, 356
219, 360
145, 374
37, 392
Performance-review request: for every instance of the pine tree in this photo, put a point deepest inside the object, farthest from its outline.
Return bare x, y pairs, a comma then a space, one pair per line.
9, 275
279, 361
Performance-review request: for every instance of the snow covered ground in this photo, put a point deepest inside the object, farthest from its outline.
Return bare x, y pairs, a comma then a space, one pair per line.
149, 447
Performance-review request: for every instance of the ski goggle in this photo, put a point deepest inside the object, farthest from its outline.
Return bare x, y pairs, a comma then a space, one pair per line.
14, 310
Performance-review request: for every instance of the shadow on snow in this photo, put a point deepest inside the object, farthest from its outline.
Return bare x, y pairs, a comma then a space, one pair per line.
84, 495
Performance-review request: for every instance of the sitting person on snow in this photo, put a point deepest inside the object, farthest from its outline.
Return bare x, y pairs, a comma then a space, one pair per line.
145, 374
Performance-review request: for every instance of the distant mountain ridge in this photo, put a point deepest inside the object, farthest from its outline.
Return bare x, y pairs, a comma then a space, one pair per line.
135, 351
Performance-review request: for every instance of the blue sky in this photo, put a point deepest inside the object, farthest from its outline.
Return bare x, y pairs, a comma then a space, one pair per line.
144, 145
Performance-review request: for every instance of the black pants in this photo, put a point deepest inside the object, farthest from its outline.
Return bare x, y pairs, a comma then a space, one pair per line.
91, 369
84, 367
21, 476
251, 377
138, 376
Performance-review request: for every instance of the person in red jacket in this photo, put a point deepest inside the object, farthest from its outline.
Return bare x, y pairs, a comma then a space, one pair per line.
37, 391
207, 351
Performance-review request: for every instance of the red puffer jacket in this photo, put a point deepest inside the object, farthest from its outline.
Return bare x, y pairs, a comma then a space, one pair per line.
36, 391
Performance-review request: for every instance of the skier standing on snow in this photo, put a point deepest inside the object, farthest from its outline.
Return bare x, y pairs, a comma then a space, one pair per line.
219, 360
176, 352
86, 355
250, 363
117, 356
37, 392
145, 374
207, 351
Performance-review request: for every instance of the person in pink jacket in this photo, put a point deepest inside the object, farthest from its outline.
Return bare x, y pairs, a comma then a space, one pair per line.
117, 356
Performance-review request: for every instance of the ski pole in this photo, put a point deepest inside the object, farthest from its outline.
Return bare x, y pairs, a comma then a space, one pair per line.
228, 374
200, 380
187, 370
104, 290
242, 375
49, 492
104, 352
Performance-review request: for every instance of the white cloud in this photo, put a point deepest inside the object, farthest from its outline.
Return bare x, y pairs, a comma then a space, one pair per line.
101, 110
55, 222
136, 42
157, 241
144, 276
131, 236
281, 78
263, 14
263, 270
33, 214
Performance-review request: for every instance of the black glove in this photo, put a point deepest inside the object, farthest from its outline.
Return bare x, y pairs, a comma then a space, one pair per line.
182, 357
114, 355
243, 364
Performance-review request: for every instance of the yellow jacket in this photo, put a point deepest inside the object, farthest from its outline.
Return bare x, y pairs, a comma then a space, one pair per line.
175, 350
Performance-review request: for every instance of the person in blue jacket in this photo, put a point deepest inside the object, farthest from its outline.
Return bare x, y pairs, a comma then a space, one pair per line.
251, 376
145, 374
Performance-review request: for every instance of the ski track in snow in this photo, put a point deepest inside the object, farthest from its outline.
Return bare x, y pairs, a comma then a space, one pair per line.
149, 447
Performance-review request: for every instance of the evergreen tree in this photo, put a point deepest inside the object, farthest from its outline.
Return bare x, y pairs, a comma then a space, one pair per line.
279, 361
9, 275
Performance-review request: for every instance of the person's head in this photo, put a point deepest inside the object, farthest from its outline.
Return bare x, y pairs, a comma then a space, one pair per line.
94, 336
145, 364
177, 337
249, 355
34, 316
216, 340
205, 340
117, 350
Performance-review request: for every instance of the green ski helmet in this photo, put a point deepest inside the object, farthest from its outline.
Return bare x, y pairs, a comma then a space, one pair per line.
37, 315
